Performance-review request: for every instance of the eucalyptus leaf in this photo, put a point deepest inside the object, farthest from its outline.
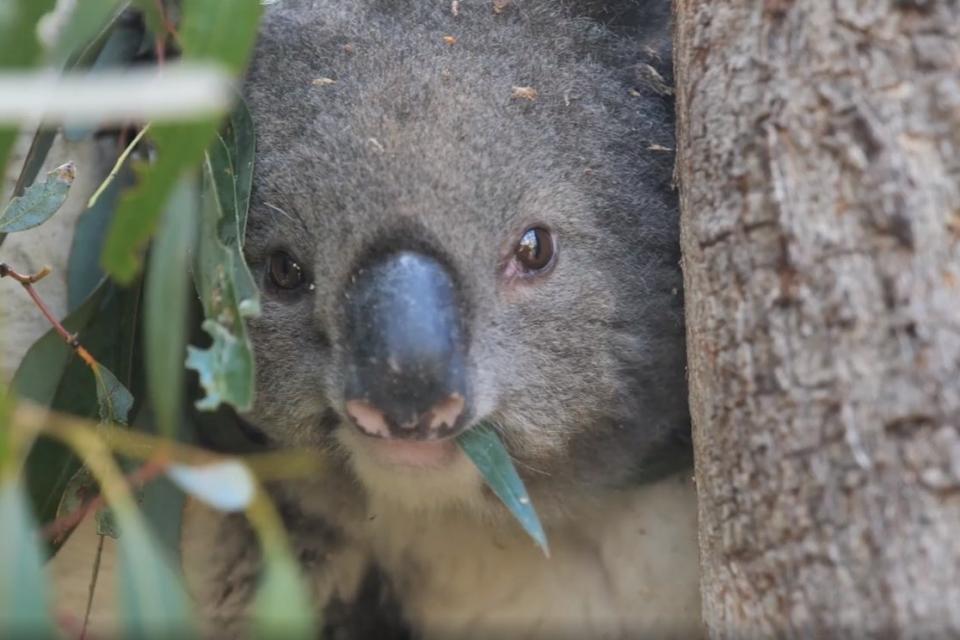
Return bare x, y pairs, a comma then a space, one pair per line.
81, 488
225, 369
230, 158
116, 46
282, 608
179, 147
226, 486
239, 140
40, 378
24, 592
52, 375
36, 155
18, 33
83, 266
107, 523
153, 602
39, 374
220, 31
167, 305
483, 446
151, 15
87, 19
8, 447
39, 201
117, 43
113, 399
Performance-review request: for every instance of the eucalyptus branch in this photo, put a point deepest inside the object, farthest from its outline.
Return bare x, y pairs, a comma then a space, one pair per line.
267, 467
55, 530
6, 271
94, 444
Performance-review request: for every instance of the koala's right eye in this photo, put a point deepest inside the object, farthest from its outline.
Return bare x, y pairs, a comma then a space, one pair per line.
285, 272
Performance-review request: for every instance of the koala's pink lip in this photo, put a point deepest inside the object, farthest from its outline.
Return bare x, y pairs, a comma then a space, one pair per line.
423, 454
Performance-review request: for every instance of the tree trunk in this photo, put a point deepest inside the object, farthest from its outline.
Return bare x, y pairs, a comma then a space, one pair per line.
819, 164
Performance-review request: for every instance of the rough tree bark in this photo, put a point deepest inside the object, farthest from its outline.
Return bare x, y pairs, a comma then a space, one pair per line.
819, 164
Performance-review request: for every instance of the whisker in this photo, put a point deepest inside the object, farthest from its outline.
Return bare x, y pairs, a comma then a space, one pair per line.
295, 217
280, 211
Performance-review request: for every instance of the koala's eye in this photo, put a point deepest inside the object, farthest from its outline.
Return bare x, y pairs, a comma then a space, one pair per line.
285, 272
535, 249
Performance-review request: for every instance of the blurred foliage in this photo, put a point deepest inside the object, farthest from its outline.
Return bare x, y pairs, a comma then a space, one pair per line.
120, 356
165, 184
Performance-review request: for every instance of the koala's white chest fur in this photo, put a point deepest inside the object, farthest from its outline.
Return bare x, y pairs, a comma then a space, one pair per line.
626, 568
623, 568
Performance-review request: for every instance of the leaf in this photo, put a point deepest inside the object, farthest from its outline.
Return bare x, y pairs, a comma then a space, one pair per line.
231, 159
483, 446
24, 592
116, 46
39, 374
18, 29
107, 523
239, 142
113, 399
83, 267
115, 97
8, 445
87, 19
151, 15
153, 602
227, 486
167, 302
39, 201
225, 369
220, 31
18, 33
33, 162
282, 608
49, 465
51, 375
81, 488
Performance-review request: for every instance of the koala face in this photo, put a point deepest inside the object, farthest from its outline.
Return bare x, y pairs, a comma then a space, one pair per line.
460, 219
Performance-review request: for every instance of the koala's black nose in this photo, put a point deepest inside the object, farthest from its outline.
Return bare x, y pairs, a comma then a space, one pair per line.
405, 376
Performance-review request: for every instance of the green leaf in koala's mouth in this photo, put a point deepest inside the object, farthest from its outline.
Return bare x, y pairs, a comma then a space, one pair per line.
483, 446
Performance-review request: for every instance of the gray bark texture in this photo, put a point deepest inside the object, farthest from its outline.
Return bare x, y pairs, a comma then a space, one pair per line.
819, 168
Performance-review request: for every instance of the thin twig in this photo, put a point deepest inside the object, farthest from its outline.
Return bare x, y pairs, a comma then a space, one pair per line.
117, 166
169, 31
93, 587
160, 44
27, 281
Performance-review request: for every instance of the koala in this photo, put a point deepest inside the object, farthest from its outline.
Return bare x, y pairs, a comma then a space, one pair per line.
463, 214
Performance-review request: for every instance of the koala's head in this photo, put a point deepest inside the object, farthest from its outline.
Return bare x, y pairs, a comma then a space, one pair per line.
460, 219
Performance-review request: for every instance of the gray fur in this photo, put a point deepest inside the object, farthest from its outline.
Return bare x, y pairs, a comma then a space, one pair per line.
591, 355
420, 144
